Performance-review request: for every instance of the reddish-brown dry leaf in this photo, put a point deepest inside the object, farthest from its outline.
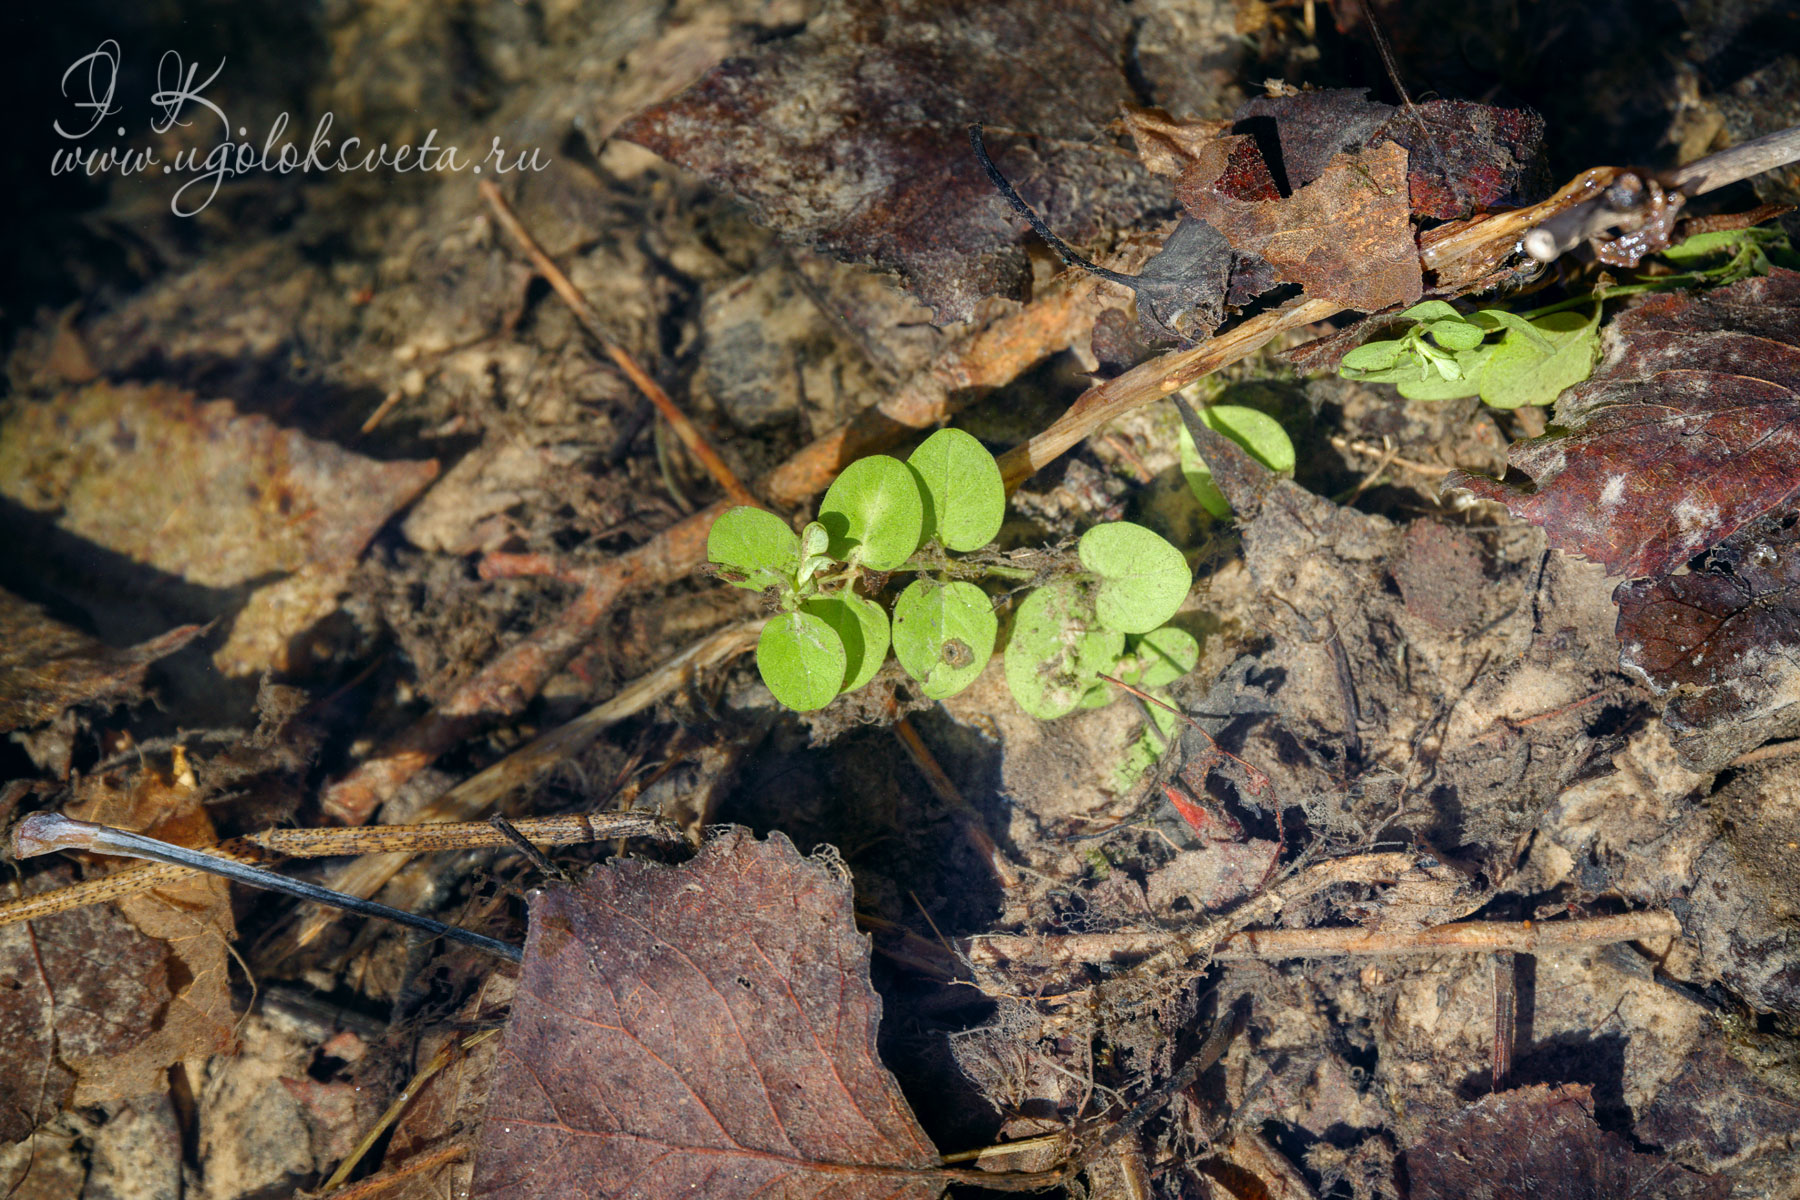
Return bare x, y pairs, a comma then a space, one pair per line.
852, 136
1346, 236
1717, 1112
1541, 1143
78, 985
707, 1030
46, 667
1689, 430
1727, 633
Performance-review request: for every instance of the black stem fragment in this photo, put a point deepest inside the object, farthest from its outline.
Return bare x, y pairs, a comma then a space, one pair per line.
1062, 248
42, 833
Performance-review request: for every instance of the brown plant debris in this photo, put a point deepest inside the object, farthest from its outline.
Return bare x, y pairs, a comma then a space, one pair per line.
1726, 634
1688, 431
851, 136
46, 667
1542, 1142
707, 1030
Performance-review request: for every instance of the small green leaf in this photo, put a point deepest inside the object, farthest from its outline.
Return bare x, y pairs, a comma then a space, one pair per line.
1057, 648
862, 627
1456, 335
1373, 356
1470, 364
1498, 318
1432, 310
965, 498
1257, 432
1520, 372
814, 558
944, 634
753, 549
1143, 579
874, 512
1721, 241
802, 660
1162, 656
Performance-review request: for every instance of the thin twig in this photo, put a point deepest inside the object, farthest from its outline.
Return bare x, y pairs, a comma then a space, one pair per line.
1462, 937
589, 320
965, 814
374, 1185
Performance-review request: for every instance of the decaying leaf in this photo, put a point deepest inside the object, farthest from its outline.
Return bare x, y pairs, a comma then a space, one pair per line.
46, 667
80, 985
1542, 1142
1727, 634
204, 493
1345, 236
1688, 431
852, 135
1462, 157
1718, 1112
191, 918
701, 1031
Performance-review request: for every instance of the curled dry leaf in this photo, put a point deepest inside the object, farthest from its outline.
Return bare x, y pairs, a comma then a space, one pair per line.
707, 1030
1542, 1142
46, 667
1345, 236
852, 135
1688, 431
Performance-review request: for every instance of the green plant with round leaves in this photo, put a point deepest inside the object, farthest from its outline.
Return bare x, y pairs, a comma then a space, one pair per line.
874, 513
1445, 355
1103, 616
965, 498
944, 634
1257, 432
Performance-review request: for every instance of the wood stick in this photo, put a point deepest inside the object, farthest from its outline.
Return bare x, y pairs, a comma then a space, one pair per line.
1461, 937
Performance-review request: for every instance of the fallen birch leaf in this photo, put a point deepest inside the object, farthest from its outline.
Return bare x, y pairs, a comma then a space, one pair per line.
706, 1030
1345, 237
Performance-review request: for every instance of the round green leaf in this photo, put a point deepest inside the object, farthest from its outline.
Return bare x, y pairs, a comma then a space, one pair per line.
802, 660
1471, 364
1163, 656
1373, 356
944, 634
965, 499
1431, 310
1057, 647
1457, 335
875, 511
1522, 371
1143, 579
1257, 432
753, 549
862, 627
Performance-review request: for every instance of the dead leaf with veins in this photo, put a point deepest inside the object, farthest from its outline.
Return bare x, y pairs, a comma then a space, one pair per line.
703, 1030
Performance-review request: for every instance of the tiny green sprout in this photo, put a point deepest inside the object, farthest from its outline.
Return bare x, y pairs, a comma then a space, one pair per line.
965, 498
874, 513
1257, 432
814, 557
1445, 355
1159, 657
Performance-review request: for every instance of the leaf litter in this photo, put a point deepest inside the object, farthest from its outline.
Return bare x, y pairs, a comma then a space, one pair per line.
1347, 647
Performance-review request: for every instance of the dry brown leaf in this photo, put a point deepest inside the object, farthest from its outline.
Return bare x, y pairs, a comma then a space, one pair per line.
1346, 236
707, 1030
204, 493
192, 917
